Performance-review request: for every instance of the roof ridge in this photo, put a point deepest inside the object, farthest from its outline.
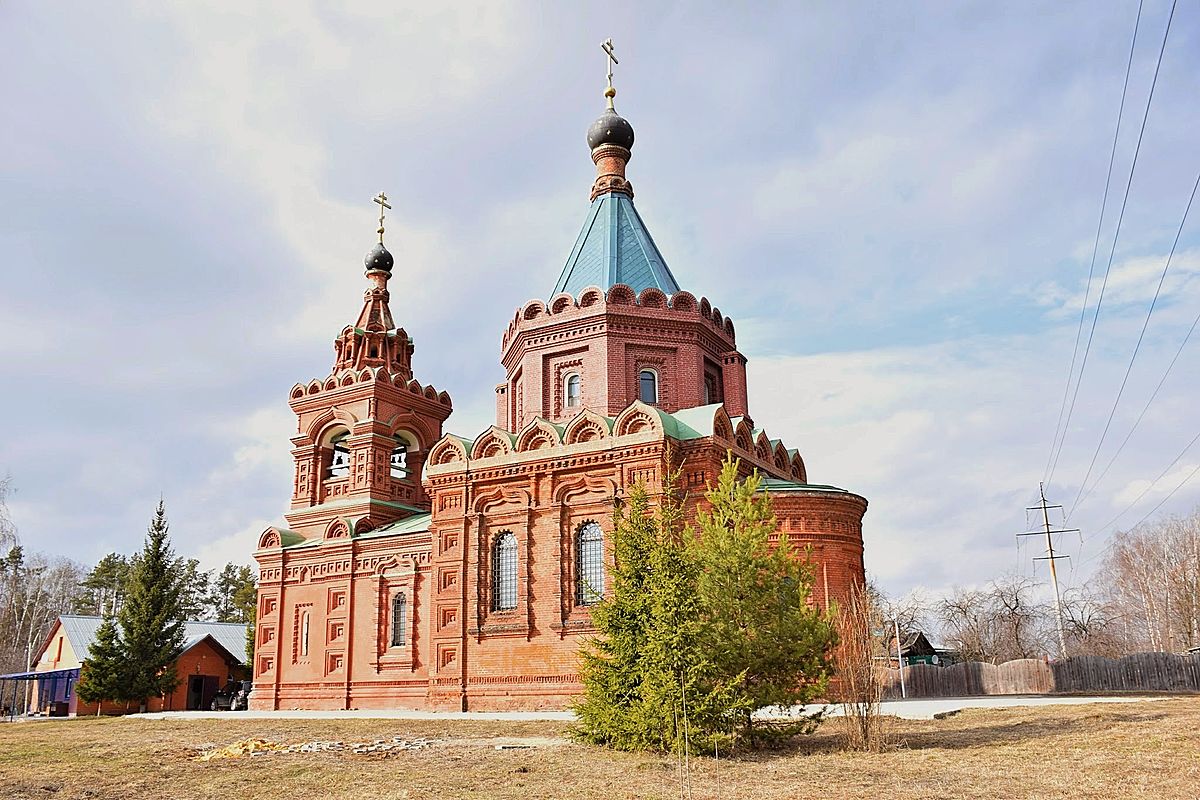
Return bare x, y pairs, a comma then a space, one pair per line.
614, 246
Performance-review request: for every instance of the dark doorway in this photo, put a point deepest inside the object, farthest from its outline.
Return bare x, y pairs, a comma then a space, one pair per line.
200, 692
209, 690
195, 694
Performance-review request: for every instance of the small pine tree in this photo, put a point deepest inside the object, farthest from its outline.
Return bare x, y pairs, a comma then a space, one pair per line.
102, 676
754, 602
610, 664
702, 627
649, 665
151, 617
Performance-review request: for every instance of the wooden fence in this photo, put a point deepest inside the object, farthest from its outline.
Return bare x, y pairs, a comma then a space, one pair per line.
1140, 672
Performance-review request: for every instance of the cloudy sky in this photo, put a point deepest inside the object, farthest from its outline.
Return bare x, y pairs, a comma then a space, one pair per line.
896, 203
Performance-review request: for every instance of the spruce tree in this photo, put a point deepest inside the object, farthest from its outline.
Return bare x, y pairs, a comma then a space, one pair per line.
754, 604
102, 676
151, 617
703, 626
648, 670
610, 664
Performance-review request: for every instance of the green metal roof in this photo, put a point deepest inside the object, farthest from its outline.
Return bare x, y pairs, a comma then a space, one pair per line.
615, 247
696, 422
780, 485
414, 524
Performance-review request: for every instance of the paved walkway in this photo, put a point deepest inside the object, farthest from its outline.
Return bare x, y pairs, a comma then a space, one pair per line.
907, 709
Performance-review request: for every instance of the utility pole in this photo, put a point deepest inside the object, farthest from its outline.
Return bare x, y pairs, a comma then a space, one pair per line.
900, 658
1048, 532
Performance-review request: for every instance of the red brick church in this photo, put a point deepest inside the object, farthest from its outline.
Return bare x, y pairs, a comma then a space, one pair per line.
426, 570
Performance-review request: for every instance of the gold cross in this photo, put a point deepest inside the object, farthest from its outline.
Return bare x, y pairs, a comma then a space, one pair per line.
383, 204
607, 47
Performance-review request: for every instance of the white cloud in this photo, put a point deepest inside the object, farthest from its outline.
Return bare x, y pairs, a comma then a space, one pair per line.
1146, 490
1132, 281
872, 217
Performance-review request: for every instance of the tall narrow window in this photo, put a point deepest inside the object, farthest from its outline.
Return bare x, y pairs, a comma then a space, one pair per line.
573, 385
504, 572
399, 620
339, 462
399, 459
648, 386
304, 620
589, 550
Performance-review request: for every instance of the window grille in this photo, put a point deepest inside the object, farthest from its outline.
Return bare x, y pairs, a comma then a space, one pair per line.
589, 552
504, 572
648, 386
399, 620
573, 385
304, 620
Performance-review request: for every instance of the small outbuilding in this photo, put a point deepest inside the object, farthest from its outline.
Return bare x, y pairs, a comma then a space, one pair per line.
212, 654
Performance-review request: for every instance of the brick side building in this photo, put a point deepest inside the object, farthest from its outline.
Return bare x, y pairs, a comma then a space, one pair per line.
422, 569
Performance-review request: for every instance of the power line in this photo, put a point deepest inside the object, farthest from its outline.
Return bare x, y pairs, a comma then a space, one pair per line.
1112, 156
1145, 491
1151, 512
1116, 237
1128, 369
1145, 408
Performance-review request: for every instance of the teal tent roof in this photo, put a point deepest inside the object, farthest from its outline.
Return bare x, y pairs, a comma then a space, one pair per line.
615, 247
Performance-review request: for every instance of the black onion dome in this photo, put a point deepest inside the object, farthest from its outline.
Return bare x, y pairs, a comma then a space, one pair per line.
610, 128
379, 259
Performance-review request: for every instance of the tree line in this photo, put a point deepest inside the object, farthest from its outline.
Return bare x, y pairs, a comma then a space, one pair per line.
35, 589
1144, 597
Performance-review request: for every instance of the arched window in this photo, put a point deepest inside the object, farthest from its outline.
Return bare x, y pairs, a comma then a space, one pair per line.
398, 461
589, 553
574, 382
504, 572
648, 386
304, 625
399, 620
339, 461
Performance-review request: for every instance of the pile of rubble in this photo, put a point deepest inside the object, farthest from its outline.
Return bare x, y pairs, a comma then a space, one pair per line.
243, 747
373, 746
258, 747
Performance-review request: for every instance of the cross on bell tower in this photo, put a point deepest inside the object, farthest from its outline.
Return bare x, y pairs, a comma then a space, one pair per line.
381, 198
610, 92
364, 429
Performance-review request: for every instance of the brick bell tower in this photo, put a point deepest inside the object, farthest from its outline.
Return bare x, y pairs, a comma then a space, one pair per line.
364, 430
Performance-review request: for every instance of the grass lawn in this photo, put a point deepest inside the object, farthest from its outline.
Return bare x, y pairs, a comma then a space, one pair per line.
1109, 751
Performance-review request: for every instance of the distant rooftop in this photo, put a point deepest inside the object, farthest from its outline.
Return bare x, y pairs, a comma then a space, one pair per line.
81, 632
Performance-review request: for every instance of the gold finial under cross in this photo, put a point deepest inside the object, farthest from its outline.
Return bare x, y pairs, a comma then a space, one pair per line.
383, 204
607, 47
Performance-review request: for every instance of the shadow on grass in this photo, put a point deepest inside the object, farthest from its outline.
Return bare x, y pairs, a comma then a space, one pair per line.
829, 739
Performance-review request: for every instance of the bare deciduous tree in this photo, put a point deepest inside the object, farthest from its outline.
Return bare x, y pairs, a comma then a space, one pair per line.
1150, 580
859, 684
1001, 622
34, 590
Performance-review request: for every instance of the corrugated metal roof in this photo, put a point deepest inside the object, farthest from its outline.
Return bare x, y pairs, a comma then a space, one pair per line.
615, 247
81, 632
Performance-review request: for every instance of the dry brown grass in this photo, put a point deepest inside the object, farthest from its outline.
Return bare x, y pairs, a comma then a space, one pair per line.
1110, 751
